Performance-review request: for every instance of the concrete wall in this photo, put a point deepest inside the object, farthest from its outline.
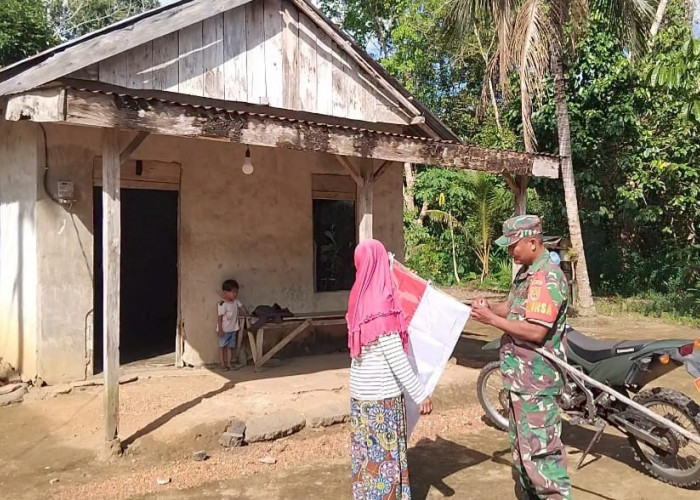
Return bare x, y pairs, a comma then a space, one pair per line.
65, 246
19, 168
256, 229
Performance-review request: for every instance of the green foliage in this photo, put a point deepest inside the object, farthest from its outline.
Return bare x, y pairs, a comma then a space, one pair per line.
24, 30
74, 18
637, 160
31, 26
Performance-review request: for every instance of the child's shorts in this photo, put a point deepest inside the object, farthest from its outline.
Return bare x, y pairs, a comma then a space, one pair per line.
228, 339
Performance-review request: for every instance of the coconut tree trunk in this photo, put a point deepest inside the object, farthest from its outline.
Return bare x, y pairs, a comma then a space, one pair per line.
409, 188
659, 17
585, 305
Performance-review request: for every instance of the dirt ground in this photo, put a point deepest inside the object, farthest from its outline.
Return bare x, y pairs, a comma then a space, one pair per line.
48, 447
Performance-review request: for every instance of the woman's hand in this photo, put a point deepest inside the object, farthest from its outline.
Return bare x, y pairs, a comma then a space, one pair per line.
426, 407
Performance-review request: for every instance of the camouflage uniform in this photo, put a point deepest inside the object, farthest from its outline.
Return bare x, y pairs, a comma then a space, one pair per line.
538, 295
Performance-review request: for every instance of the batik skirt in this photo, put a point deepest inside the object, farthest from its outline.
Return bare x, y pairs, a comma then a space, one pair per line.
378, 449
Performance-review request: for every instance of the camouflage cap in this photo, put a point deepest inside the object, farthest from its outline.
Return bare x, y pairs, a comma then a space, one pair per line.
517, 228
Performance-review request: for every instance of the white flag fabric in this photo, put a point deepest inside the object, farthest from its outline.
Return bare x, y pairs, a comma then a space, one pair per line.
436, 321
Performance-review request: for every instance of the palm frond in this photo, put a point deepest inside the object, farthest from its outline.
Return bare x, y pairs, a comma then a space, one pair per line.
461, 15
531, 45
632, 20
443, 217
503, 13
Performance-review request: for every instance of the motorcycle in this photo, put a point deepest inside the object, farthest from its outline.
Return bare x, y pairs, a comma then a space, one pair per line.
627, 367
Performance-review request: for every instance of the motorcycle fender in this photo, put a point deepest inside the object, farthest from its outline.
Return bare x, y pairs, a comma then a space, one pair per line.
494, 345
692, 364
668, 346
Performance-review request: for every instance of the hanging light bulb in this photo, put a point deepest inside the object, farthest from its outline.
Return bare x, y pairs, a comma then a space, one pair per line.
247, 163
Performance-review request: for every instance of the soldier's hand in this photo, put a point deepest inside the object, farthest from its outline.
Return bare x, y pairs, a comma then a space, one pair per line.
481, 302
426, 407
482, 314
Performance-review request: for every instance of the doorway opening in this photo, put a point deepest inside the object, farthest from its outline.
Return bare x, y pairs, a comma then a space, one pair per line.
149, 276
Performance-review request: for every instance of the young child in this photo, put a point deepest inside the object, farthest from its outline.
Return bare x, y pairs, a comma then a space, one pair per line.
229, 310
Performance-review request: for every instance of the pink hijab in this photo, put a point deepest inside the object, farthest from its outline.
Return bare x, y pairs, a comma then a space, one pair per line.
374, 308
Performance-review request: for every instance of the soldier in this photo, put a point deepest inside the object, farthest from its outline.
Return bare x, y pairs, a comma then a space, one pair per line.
535, 312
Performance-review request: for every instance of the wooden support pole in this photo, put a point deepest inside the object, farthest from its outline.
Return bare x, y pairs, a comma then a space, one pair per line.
132, 146
345, 162
381, 170
365, 197
521, 182
111, 262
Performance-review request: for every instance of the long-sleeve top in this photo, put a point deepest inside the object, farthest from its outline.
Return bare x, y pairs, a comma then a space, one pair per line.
383, 371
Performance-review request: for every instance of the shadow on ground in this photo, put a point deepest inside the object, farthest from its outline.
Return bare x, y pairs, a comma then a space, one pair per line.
431, 461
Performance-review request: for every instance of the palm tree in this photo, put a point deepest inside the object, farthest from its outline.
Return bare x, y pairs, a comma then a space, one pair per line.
531, 40
486, 205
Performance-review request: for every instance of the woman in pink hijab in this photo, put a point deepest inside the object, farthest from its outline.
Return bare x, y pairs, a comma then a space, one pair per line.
380, 375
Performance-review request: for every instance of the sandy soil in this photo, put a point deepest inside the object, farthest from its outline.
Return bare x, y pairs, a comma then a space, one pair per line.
167, 414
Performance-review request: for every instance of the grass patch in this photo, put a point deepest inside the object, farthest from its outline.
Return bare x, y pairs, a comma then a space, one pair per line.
678, 308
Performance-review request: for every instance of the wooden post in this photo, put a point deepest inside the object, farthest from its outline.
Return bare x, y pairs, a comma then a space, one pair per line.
365, 197
522, 182
520, 192
111, 263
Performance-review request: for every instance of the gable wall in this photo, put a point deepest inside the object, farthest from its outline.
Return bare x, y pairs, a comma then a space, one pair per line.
265, 52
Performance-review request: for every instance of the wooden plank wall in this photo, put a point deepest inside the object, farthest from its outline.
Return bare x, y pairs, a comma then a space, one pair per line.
265, 52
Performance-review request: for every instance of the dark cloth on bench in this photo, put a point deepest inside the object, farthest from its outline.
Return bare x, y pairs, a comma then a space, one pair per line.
269, 314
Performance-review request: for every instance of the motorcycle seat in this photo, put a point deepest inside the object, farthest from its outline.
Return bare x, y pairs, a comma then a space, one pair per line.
593, 350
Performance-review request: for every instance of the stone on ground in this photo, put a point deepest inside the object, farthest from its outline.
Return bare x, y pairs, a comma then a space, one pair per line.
274, 426
16, 396
327, 415
233, 435
6, 389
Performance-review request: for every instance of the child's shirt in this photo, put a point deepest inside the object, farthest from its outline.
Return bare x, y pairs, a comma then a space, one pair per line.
228, 312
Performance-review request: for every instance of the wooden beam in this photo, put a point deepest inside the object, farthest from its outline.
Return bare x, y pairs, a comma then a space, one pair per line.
365, 197
42, 105
157, 117
351, 169
132, 146
114, 41
381, 170
111, 261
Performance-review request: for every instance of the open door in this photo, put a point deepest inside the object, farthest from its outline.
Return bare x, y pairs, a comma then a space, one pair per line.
149, 275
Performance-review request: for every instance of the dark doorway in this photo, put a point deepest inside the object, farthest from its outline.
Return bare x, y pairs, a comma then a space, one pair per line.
149, 277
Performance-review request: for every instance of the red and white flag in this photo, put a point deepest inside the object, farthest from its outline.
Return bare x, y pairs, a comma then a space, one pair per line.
435, 322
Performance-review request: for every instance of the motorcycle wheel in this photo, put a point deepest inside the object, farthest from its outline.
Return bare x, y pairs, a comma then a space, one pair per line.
492, 396
681, 468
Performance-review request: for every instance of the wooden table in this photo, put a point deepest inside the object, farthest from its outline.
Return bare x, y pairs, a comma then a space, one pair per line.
303, 323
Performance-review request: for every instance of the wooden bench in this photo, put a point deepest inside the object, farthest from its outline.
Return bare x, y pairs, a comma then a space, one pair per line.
303, 322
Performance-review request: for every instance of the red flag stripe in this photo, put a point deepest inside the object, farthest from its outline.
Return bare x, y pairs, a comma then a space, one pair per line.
410, 288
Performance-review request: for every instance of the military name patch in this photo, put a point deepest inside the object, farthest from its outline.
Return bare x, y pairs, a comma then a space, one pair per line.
540, 305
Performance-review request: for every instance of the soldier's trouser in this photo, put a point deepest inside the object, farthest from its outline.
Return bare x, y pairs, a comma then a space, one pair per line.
539, 456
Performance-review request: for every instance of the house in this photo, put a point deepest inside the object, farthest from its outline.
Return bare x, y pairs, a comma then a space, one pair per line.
124, 204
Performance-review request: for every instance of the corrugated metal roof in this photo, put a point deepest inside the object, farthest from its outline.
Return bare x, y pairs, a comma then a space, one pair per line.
134, 94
